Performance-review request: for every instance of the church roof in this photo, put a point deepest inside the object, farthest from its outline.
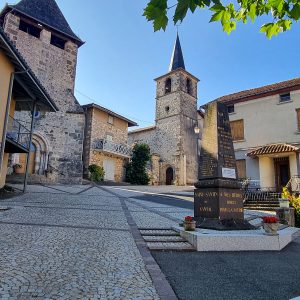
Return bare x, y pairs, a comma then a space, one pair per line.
177, 60
47, 13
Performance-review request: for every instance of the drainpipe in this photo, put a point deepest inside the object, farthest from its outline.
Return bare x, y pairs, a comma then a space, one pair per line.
30, 141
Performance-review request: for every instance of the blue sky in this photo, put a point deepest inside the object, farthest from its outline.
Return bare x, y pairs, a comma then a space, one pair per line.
123, 55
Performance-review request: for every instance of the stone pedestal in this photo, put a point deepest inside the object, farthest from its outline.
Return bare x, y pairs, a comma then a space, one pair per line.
286, 216
218, 200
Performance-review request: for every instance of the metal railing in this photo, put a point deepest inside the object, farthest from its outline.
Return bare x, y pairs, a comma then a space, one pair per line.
18, 133
111, 147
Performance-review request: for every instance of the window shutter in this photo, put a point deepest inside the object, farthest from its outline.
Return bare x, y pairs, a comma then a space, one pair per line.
237, 130
241, 168
298, 118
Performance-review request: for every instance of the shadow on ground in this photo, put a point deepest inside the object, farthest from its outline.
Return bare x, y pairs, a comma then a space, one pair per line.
234, 275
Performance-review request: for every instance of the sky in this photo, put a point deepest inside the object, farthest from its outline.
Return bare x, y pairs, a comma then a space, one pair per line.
122, 55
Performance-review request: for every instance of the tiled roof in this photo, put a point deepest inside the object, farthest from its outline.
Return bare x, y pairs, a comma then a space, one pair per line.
48, 13
110, 112
142, 129
263, 91
273, 149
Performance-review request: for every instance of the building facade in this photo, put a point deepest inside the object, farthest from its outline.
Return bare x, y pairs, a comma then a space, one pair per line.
172, 140
44, 38
105, 142
20, 91
265, 125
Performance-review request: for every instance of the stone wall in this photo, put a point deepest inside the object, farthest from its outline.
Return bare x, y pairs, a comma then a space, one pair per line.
56, 69
173, 141
97, 128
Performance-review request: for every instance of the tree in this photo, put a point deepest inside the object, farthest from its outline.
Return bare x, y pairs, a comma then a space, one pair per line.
136, 172
284, 13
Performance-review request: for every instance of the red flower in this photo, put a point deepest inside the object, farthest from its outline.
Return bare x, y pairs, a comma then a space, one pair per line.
188, 219
270, 220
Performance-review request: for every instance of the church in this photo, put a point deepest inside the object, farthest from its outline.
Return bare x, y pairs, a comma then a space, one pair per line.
174, 137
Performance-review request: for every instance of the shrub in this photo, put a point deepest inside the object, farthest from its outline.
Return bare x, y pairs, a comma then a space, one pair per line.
97, 173
136, 172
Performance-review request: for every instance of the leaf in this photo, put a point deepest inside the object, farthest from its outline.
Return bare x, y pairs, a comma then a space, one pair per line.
217, 16
270, 29
181, 10
295, 12
156, 11
252, 12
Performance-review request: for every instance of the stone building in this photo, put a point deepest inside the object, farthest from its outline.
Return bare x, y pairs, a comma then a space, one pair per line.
20, 90
44, 38
105, 142
173, 141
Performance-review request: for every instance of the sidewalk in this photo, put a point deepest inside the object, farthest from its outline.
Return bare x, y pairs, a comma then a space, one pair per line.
70, 242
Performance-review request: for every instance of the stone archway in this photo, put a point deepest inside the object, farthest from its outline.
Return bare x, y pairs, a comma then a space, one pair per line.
41, 154
169, 176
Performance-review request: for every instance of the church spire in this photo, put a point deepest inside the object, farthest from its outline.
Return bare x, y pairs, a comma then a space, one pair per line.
177, 60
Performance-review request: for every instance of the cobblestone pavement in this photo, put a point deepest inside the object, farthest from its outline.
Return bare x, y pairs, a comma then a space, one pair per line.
68, 242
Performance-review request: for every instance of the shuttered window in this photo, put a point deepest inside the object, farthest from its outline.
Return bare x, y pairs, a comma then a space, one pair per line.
298, 118
241, 168
237, 130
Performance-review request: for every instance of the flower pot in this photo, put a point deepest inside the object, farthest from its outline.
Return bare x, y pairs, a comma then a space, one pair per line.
284, 203
271, 228
189, 225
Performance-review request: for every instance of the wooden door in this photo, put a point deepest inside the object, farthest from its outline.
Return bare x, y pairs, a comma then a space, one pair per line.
282, 172
169, 176
109, 169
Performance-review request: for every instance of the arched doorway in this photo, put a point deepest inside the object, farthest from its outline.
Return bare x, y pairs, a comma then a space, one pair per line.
169, 176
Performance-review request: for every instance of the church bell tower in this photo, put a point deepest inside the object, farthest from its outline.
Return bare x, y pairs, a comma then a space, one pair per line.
176, 119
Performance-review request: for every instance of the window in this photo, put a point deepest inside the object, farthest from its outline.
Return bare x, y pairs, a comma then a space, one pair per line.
167, 109
189, 86
285, 97
230, 108
237, 130
57, 41
30, 29
168, 86
298, 118
241, 168
110, 119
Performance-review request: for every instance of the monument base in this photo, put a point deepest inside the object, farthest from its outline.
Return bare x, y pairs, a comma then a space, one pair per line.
224, 225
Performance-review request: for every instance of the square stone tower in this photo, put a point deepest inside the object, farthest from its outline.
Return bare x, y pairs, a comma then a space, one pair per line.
176, 119
48, 44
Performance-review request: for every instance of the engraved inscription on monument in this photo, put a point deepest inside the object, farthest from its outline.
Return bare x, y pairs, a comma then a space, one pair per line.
218, 195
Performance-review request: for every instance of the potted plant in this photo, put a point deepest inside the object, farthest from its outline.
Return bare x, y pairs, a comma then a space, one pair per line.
17, 168
189, 224
270, 225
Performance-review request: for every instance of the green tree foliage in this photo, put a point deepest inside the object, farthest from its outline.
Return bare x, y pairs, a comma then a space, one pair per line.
136, 172
283, 13
97, 173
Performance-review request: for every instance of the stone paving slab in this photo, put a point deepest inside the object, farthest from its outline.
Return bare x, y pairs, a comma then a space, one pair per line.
70, 263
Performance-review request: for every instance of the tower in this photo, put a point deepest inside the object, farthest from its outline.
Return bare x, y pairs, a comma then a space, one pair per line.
176, 119
46, 41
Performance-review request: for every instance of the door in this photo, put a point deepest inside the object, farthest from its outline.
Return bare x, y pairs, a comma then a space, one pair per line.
31, 169
282, 172
169, 176
109, 169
